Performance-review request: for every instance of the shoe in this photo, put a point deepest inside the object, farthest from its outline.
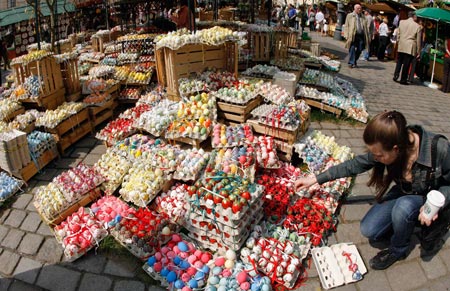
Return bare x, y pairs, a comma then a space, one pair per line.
404, 83
384, 260
351, 66
395, 78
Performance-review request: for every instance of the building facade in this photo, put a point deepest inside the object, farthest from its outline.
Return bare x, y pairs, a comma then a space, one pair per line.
6, 4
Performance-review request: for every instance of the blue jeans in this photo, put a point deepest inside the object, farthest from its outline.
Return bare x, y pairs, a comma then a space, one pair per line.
398, 213
355, 50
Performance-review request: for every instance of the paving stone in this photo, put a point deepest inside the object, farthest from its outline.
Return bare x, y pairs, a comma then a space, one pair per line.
15, 218
350, 233
91, 159
31, 207
125, 285
50, 251
445, 256
91, 263
31, 222
22, 201
80, 152
22, 286
434, 268
67, 163
30, 244
12, 240
3, 231
87, 142
47, 174
99, 149
310, 285
374, 281
44, 229
53, 277
411, 277
349, 287
353, 212
440, 284
120, 268
95, 282
8, 261
4, 215
27, 270
5, 283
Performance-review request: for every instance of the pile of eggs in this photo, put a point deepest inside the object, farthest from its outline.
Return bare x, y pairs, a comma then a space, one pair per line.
7, 107
266, 152
23, 121
79, 233
130, 93
113, 166
51, 118
158, 118
192, 162
110, 210
39, 142
172, 203
227, 136
180, 264
8, 186
50, 201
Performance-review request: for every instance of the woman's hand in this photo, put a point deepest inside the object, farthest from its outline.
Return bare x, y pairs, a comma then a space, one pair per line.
423, 220
304, 183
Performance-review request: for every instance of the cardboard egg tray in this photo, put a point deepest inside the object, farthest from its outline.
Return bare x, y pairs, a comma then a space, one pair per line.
214, 244
248, 172
198, 221
242, 141
143, 203
227, 217
333, 267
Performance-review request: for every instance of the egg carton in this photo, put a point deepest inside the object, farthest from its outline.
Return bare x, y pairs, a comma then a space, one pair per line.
127, 196
223, 215
197, 220
248, 172
232, 100
19, 183
275, 260
216, 245
333, 266
234, 144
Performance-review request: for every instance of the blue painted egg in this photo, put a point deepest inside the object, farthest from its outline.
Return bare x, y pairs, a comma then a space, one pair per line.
171, 277
179, 284
217, 270
182, 246
193, 283
151, 261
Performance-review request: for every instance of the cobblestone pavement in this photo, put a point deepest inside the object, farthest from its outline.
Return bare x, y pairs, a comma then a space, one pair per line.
31, 259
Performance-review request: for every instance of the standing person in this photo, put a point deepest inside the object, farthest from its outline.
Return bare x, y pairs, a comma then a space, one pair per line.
405, 155
182, 18
370, 22
304, 19
446, 76
4, 54
409, 40
383, 32
320, 18
357, 35
312, 20
292, 14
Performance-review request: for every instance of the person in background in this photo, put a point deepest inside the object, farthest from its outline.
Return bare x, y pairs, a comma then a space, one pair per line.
182, 18
402, 154
298, 18
370, 22
312, 20
446, 76
424, 62
320, 18
357, 35
409, 41
413, 66
292, 14
4, 54
46, 33
304, 19
383, 32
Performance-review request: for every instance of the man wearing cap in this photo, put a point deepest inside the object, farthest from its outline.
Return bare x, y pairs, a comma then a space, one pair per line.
357, 35
409, 38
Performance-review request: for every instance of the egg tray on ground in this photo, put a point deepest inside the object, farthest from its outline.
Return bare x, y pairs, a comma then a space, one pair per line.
139, 252
217, 246
248, 172
333, 267
231, 100
241, 142
14, 190
233, 229
225, 215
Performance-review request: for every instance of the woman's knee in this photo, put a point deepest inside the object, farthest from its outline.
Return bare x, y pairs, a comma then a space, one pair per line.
406, 208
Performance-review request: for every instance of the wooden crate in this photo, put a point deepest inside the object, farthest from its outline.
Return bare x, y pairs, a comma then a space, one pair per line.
99, 114
193, 142
50, 102
261, 46
160, 67
69, 123
194, 58
280, 44
324, 107
74, 135
289, 136
85, 200
63, 48
12, 115
46, 69
284, 150
71, 79
33, 168
235, 112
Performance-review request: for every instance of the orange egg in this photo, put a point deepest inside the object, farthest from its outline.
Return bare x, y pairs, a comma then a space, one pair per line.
182, 129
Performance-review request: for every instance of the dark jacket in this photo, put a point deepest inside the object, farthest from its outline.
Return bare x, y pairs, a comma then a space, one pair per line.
420, 183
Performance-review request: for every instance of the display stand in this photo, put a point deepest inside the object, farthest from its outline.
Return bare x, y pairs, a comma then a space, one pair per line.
261, 46
235, 112
194, 58
71, 78
289, 136
11, 116
324, 107
99, 114
33, 168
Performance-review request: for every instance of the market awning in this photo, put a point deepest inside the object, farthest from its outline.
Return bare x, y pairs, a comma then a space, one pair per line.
380, 8
18, 14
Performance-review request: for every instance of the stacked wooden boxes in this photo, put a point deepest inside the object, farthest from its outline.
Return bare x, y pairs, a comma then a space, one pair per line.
71, 78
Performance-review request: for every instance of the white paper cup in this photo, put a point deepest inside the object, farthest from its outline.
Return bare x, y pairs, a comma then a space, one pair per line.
435, 200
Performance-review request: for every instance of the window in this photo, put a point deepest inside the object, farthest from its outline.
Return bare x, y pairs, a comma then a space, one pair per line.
11, 3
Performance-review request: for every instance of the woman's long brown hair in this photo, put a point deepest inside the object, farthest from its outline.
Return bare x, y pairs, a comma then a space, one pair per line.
389, 129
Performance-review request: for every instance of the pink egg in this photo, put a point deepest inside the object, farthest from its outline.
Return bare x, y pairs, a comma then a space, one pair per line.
176, 237
226, 273
242, 159
185, 277
191, 271
198, 264
241, 277
171, 254
205, 258
176, 250
220, 261
158, 256
245, 286
164, 261
183, 255
191, 247
186, 288
164, 250
157, 267
192, 259
198, 254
